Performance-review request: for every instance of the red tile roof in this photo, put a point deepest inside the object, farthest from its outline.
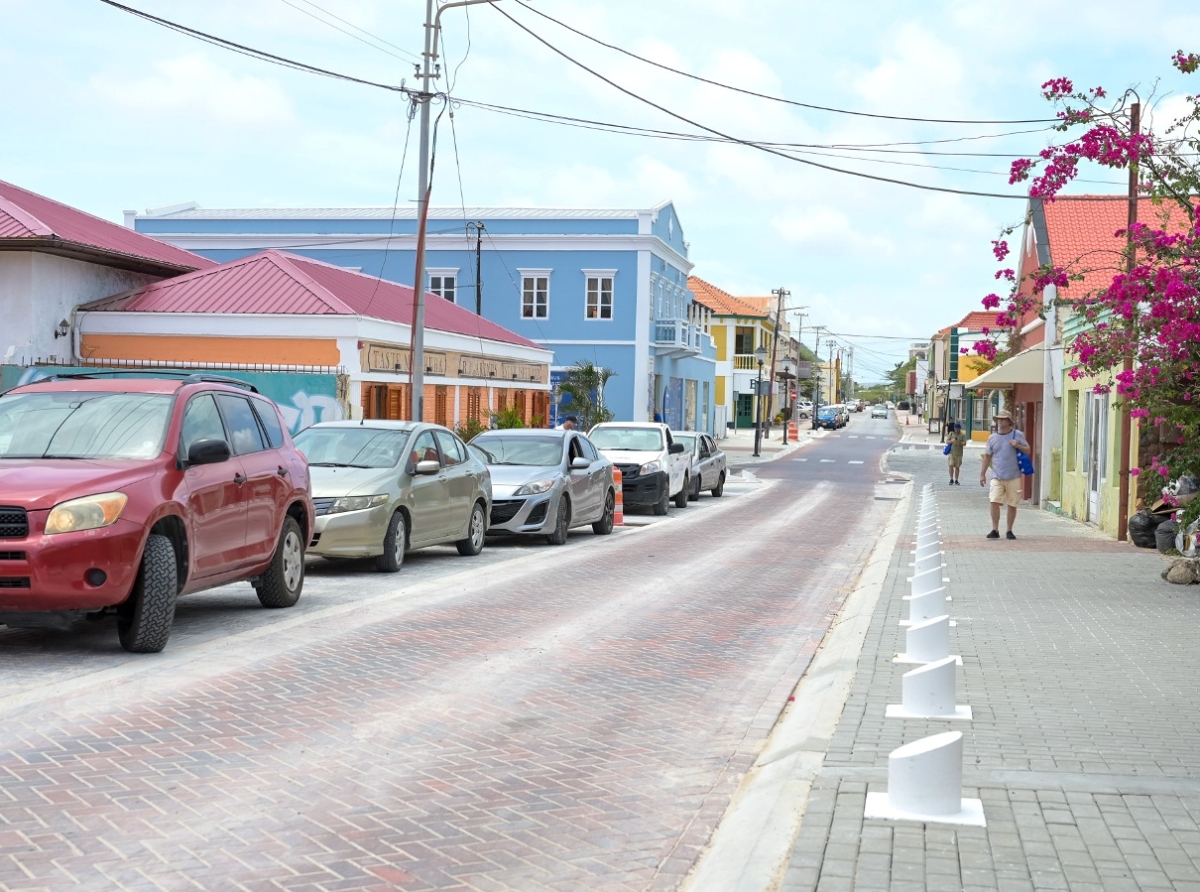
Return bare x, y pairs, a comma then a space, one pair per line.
1082, 234
30, 219
278, 283
720, 301
978, 320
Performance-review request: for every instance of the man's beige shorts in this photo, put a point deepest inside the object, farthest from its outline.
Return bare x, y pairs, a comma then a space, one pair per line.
955, 460
1005, 492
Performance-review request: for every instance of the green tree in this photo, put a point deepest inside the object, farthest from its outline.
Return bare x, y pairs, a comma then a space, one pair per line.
583, 385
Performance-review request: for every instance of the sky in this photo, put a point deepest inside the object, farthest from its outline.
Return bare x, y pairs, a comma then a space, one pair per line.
106, 112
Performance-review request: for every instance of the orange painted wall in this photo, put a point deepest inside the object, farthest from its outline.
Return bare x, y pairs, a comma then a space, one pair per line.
181, 348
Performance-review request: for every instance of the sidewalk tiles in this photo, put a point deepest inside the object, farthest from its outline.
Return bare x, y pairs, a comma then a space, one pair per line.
1081, 666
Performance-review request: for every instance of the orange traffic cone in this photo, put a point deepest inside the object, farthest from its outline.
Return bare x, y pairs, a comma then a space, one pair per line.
619, 512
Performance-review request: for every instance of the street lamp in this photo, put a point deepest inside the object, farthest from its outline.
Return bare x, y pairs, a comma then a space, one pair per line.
787, 387
761, 355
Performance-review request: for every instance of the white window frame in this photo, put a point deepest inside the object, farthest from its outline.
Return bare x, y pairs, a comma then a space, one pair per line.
599, 275
534, 274
444, 273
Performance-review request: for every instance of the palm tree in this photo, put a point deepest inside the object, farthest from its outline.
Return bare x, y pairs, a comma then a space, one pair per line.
584, 385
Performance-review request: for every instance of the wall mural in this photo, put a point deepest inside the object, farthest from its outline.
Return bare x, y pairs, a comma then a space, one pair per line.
304, 398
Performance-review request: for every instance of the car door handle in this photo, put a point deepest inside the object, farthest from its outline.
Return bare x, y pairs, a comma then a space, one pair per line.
239, 479
282, 471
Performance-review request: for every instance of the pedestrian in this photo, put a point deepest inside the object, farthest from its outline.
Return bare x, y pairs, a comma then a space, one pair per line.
957, 440
569, 423
1000, 455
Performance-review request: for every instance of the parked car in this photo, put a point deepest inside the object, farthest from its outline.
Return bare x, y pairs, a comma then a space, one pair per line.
829, 417
707, 469
845, 410
803, 409
879, 411
122, 493
384, 488
546, 482
653, 467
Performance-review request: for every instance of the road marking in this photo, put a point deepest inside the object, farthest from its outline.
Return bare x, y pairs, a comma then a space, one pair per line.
826, 460
854, 463
872, 438
853, 436
799, 459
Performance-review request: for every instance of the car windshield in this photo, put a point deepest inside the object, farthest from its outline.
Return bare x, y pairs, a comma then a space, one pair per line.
351, 447
83, 424
688, 441
635, 439
497, 449
827, 411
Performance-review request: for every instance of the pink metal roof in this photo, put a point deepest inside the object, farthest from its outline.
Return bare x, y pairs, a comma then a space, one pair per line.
278, 283
27, 215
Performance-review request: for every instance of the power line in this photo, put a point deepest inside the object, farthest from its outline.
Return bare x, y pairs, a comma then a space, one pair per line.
253, 53
395, 203
792, 102
768, 150
369, 43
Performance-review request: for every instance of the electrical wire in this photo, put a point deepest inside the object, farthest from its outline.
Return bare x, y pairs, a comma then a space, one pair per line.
332, 15
768, 150
343, 30
412, 113
253, 53
745, 92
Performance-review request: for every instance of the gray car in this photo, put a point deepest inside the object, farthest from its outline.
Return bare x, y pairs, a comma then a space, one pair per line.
382, 488
708, 463
545, 482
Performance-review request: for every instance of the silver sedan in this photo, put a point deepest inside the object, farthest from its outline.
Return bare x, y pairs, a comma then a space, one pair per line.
707, 463
383, 488
545, 482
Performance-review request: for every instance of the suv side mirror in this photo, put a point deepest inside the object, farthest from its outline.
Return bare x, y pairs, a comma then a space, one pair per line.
208, 452
675, 449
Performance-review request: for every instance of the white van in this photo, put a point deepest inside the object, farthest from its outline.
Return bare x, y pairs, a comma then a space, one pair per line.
653, 468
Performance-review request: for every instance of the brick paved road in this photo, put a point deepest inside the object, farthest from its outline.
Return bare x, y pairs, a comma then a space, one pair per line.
539, 718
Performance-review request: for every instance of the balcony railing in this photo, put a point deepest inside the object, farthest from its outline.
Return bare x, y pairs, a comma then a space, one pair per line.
677, 336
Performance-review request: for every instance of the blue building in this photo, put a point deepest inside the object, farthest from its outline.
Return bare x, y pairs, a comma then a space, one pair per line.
609, 286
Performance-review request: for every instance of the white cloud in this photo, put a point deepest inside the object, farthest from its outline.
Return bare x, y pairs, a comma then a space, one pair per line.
195, 87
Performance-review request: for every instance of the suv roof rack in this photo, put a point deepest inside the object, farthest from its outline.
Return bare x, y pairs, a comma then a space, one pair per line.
185, 377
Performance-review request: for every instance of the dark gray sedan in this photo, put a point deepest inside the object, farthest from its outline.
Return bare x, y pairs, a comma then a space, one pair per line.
544, 482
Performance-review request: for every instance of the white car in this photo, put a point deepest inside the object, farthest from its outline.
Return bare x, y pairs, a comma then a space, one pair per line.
803, 410
654, 468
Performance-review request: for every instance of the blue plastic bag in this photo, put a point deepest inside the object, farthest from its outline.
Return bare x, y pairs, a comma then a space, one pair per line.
946, 451
1025, 463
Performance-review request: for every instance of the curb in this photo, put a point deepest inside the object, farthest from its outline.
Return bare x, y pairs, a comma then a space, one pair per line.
751, 847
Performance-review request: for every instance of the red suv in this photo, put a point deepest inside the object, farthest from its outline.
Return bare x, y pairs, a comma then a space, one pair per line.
122, 493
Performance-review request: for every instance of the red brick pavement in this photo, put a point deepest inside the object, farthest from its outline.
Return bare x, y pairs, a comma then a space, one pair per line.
584, 730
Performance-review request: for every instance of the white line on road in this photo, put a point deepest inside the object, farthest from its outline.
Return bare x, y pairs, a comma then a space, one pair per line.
853, 436
854, 463
824, 460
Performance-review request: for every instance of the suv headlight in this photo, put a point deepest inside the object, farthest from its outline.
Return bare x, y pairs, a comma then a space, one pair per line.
650, 467
88, 513
535, 488
358, 503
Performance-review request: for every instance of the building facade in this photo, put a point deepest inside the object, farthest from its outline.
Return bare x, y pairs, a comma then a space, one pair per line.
605, 286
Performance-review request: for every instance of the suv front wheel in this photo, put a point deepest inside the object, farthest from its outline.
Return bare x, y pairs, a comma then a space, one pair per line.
282, 581
144, 620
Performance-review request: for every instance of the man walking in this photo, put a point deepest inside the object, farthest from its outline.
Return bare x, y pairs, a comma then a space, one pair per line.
957, 440
1000, 455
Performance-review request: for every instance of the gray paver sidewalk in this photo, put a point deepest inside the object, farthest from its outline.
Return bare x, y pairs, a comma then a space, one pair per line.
1082, 668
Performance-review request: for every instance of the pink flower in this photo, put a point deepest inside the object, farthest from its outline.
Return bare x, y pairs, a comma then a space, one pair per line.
1133, 472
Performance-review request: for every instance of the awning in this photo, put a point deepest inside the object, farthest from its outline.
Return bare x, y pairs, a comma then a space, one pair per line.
1027, 367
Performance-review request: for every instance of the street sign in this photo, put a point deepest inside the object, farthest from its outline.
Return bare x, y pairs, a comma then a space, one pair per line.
804, 369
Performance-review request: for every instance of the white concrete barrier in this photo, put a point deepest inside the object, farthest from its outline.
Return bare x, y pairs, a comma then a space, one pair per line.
925, 784
925, 606
929, 562
921, 583
927, 642
927, 692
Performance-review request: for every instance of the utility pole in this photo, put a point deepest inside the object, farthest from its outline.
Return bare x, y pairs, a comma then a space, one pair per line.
479, 228
427, 71
816, 380
1135, 125
781, 293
